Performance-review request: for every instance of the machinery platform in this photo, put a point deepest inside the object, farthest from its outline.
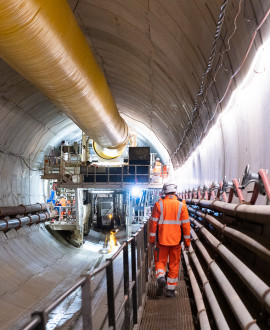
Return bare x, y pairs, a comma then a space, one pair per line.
162, 313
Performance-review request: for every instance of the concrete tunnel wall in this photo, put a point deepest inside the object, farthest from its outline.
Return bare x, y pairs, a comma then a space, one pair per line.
36, 267
240, 136
29, 125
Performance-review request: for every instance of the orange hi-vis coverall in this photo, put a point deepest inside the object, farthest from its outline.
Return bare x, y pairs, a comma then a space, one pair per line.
167, 217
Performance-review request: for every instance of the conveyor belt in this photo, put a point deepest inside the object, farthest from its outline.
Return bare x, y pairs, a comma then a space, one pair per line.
162, 313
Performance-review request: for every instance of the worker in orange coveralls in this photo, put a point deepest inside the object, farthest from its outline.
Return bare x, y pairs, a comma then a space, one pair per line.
63, 204
168, 216
157, 167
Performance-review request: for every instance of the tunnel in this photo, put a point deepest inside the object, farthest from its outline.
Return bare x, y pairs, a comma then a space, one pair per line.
188, 81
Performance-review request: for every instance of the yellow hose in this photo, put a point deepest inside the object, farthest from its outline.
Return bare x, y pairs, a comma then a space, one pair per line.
43, 42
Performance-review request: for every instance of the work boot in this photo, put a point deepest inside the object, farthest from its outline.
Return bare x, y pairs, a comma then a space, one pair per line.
170, 293
161, 283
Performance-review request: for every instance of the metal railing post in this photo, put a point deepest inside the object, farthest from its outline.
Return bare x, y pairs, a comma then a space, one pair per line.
39, 318
126, 286
43, 320
134, 278
87, 304
110, 293
139, 269
146, 252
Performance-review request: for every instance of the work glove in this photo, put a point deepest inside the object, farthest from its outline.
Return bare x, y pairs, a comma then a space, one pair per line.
187, 248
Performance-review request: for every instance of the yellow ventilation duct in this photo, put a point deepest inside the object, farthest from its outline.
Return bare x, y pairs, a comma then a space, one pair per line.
43, 42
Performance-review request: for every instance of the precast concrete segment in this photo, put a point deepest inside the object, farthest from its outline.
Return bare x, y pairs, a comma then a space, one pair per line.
260, 289
35, 42
35, 269
240, 311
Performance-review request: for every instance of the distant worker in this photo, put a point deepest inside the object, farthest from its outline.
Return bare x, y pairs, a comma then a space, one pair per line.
157, 171
157, 167
165, 171
167, 217
63, 204
68, 207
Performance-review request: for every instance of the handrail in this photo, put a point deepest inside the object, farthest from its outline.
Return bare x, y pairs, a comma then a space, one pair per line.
125, 174
139, 257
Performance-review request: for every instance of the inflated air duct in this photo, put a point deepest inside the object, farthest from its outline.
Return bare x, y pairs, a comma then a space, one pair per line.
43, 42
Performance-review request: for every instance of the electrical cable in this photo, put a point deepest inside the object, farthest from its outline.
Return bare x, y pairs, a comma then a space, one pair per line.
20, 157
208, 68
229, 84
232, 77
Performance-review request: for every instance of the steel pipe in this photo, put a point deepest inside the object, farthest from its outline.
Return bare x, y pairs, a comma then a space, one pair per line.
238, 191
235, 235
260, 290
224, 195
266, 181
202, 315
213, 303
27, 220
251, 213
240, 311
22, 209
35, 42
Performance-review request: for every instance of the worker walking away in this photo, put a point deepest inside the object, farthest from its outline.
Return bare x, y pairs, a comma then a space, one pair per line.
168, 216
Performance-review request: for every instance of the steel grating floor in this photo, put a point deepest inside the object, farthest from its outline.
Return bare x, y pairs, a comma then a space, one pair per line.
162, 313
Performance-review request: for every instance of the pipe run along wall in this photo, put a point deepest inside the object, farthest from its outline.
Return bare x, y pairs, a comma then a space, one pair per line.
43, 42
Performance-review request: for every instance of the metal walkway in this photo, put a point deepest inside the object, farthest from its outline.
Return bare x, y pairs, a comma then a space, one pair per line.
162, 313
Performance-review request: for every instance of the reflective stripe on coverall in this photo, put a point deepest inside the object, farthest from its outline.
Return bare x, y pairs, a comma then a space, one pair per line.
165, 222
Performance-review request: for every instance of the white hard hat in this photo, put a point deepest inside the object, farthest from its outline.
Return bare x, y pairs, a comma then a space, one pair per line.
169, 187
157, 158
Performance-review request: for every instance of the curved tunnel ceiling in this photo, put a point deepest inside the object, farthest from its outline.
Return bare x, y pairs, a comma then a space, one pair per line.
154, 55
